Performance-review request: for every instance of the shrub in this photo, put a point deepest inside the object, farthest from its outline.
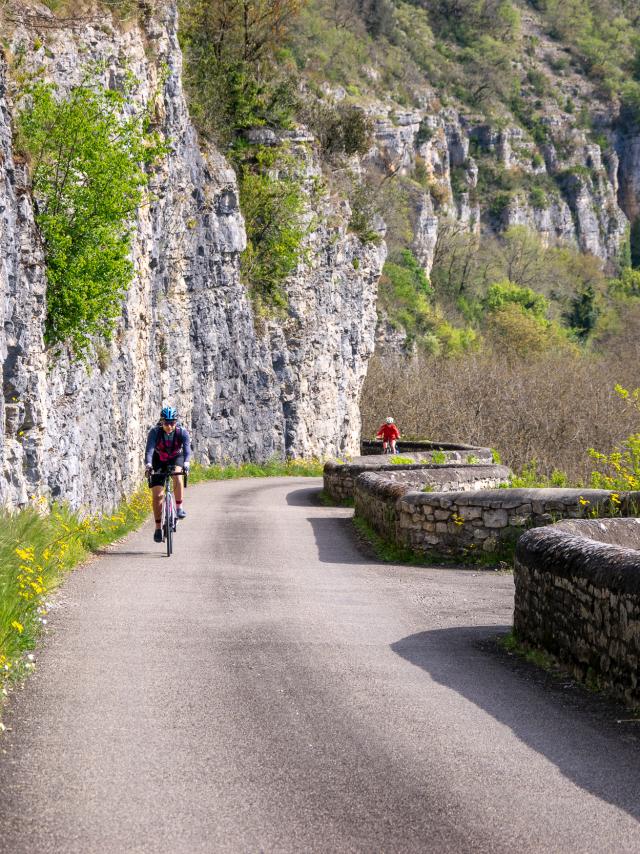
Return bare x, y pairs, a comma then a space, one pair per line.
364, 211
620, 469
88, 179
340, 130
505, 293
236, 72
538, 197
272, 201
404, 293
499, 204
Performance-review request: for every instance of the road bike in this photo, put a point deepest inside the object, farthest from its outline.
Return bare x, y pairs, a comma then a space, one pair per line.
169, 521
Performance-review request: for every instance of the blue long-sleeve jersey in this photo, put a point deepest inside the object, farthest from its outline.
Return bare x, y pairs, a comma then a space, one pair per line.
182, 444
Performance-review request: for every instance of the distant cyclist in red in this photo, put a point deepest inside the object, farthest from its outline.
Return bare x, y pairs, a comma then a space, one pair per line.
388, 432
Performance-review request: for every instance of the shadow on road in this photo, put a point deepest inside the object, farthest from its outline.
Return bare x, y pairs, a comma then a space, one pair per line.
336, 541
598, 756
307, 497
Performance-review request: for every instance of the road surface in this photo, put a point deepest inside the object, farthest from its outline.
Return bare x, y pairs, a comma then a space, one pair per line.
271, 689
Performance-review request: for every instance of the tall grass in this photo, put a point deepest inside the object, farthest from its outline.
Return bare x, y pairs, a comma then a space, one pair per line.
271, 468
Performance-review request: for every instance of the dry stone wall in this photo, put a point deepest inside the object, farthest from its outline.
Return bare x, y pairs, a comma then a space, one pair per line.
577, 595
340, 475
378, 494
464, 523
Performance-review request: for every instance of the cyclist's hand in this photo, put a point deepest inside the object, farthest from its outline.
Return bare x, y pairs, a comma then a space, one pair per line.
147, 470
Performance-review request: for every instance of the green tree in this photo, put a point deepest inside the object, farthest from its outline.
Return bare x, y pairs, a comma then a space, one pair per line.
235, 76
505, 293
87, 162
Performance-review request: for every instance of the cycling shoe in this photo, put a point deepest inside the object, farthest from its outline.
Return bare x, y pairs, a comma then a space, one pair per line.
157, 536
180, 513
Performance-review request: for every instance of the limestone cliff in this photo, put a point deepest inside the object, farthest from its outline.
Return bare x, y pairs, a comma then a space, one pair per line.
187, 335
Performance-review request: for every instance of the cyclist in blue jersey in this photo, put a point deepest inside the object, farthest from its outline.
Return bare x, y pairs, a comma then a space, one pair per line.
168, 444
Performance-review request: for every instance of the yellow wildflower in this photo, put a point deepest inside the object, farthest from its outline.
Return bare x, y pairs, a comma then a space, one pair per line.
17, 626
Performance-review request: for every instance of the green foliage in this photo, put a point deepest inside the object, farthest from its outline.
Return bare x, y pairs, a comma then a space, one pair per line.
364, 210
583, 312
628, 283
604, 38
502, 293
123, 9
87, 166
270, 468
538, 198
237, 73
401, 461
530, 478
438, 457
634, 243
467, 20
499, 204
620, 469
273, 204
404, 293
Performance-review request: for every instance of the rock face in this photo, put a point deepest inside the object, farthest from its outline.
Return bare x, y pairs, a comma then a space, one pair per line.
187, 336
582, 207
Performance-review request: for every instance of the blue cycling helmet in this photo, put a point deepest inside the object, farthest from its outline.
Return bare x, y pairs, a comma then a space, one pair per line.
169, 413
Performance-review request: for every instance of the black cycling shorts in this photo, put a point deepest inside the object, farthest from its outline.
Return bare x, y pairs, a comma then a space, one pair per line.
158, 479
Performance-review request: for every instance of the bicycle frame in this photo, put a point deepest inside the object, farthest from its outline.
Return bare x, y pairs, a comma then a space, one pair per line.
169, 519
169, 516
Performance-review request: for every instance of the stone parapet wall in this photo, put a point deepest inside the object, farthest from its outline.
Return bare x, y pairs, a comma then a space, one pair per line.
378, 495
577, 594
340, 476
465, 522
425, 450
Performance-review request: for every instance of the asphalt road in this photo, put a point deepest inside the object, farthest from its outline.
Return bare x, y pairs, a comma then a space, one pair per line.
271, 689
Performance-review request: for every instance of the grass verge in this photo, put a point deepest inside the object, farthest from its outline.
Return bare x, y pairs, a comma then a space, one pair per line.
392, 553
327, 501
272, 468
388, 552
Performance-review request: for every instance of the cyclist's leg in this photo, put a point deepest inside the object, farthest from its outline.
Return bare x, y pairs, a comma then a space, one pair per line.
178, 486
157, 493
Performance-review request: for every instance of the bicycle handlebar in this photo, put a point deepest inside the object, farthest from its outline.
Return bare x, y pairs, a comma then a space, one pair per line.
169, 472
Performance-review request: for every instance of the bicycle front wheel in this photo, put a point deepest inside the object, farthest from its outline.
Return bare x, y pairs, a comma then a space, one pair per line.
169, 514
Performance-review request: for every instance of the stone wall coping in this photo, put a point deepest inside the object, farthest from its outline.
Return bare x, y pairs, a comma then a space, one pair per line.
424, 445
375, 482
512, 498
363, 464
557, 550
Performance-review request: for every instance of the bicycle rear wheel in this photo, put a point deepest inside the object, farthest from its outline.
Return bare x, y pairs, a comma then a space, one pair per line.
168, 522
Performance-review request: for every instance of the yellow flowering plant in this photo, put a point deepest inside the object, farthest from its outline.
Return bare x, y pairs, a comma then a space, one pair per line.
36, 548
620, 469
